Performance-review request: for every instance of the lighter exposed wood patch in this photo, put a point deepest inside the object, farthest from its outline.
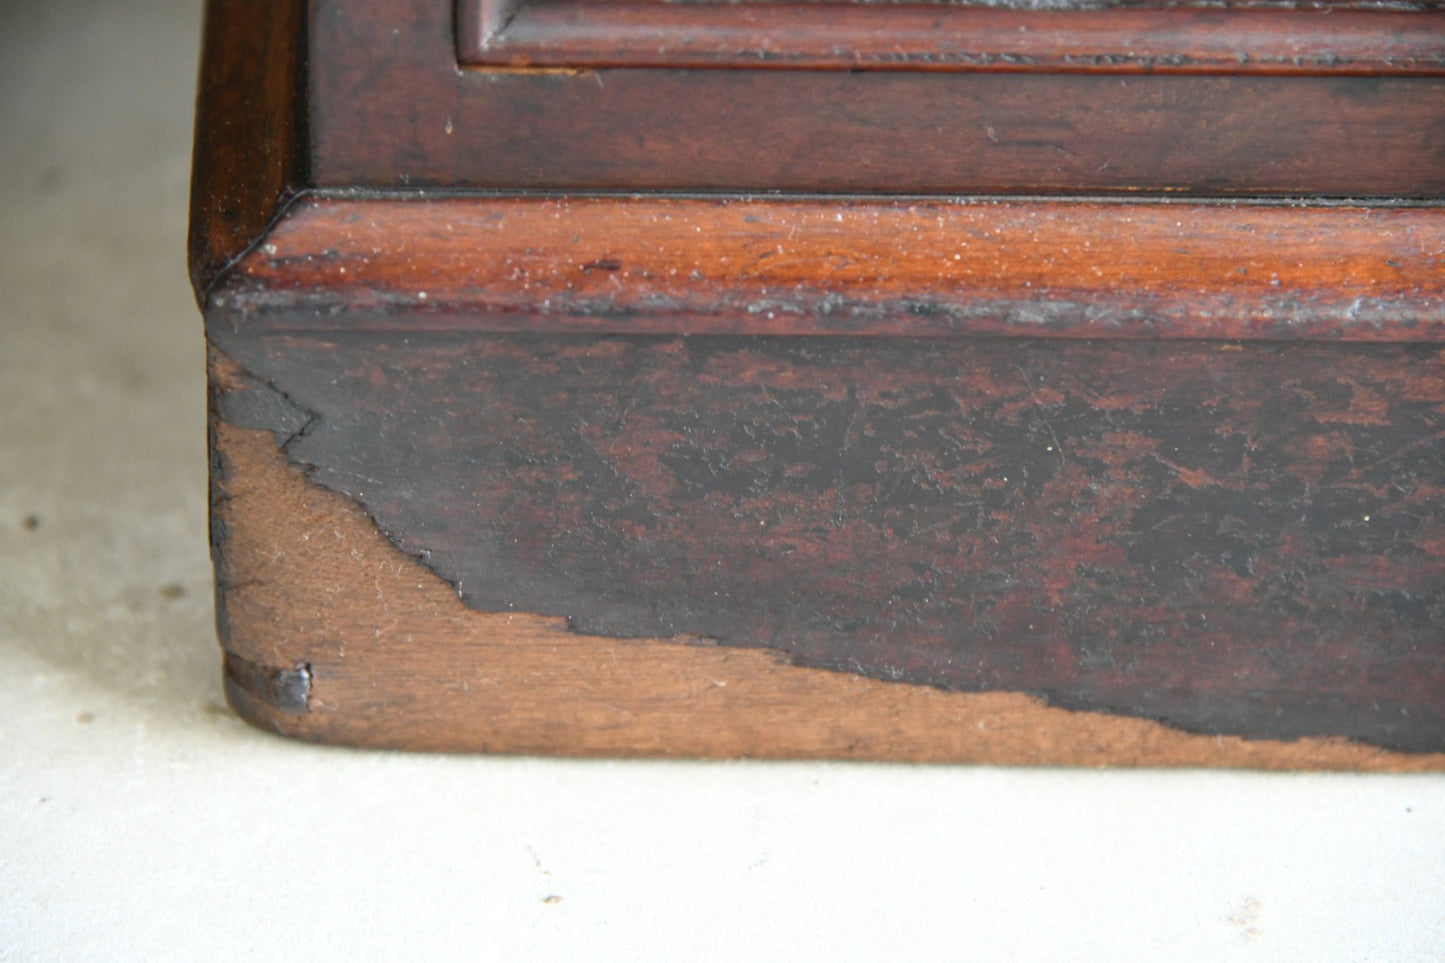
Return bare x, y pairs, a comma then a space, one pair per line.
398, 660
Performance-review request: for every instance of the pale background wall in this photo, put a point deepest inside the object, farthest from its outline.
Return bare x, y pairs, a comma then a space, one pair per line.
140, 821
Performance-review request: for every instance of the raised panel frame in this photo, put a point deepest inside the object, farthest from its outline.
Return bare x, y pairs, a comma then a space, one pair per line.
1333, 38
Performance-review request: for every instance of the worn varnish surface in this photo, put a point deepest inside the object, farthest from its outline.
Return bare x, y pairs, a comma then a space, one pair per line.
869, 266
685, 475
333, 634
390, 107
1233, 539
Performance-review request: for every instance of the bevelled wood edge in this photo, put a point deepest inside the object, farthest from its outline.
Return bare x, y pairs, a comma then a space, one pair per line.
333, 635
657, 265
586, 34
250, 153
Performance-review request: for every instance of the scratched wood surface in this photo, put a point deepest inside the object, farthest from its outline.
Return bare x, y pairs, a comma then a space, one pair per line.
1234, 539
650, 265
333, 634
1116, 479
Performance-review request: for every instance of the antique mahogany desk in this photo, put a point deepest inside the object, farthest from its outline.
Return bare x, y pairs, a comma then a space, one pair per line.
998, 381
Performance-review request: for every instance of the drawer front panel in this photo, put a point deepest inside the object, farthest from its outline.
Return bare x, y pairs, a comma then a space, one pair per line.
392, 106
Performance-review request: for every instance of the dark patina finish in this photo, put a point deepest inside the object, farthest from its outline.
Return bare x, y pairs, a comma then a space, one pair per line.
1231, 538
777, 379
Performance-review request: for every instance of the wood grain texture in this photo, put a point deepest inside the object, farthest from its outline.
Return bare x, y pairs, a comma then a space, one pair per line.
250, 149
379, 651
865, 266
1133, 38
831, 131
764, 457
1244, 540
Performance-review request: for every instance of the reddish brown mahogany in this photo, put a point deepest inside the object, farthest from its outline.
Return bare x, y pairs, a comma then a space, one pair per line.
1182, 38
391, 107
1108, 525
250, 154
1067, 395
648, 265
316, 650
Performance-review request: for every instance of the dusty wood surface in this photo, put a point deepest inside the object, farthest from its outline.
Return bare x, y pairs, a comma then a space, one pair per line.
363, 645
864, 266
1234, 542
1259, 553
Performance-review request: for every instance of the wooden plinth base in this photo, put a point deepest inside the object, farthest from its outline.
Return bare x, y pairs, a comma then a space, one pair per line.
333, 635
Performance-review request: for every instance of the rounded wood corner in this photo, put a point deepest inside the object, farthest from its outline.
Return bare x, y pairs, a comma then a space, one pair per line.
333, 635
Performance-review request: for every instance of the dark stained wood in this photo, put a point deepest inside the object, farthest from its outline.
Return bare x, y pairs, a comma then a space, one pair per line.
250, 149
874, 466
1241, 540
1185, 38
830, 131
867, 266
310, 590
